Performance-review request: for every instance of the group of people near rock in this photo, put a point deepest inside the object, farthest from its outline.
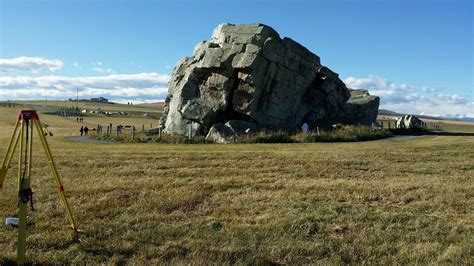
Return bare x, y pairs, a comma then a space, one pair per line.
84, 130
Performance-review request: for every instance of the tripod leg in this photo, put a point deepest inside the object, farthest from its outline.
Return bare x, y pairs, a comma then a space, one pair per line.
23, 183
9, 154
54, 171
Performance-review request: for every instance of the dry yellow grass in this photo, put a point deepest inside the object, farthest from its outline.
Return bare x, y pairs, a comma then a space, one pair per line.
68, 126
151, 108
405, 201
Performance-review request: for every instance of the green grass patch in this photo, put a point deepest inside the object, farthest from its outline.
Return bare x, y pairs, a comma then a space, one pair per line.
267, 137
144, 138
347, 134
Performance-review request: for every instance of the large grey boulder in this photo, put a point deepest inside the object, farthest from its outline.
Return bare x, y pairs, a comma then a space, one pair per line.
247, 72
361, 109
409, 122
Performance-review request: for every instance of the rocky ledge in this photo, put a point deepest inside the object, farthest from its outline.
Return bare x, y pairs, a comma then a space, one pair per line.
361, 109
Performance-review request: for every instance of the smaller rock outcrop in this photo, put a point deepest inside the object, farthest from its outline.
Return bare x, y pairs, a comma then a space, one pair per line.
361, 109
410, 122
226, 133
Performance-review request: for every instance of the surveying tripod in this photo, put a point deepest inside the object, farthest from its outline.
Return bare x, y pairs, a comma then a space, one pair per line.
23, 135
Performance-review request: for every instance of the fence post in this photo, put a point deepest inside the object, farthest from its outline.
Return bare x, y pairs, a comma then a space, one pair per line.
143, 128
159, 132
317, 130
133, 133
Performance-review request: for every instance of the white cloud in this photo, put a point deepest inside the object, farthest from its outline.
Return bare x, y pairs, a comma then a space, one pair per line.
453, 98
149, 86
426, 89
101, 70
75, 64
406, 98
32, 64
97, 67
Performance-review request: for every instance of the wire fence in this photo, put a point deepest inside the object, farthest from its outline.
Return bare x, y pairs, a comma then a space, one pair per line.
111, 130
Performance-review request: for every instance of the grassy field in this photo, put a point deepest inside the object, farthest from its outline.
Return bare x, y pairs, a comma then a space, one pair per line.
155, 108
376, 202
453, 126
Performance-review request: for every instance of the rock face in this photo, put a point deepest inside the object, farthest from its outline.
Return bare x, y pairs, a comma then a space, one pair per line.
247, 72
409, 122
361, 108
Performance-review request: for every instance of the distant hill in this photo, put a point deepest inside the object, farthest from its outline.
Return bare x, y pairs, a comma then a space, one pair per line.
465, 119
392, 113
384, 112
388, 113
157, 105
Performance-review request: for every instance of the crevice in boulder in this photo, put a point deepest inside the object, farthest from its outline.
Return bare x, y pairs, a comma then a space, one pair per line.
214, 45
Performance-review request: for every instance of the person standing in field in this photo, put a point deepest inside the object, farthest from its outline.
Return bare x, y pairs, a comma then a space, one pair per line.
81, 130
86, 130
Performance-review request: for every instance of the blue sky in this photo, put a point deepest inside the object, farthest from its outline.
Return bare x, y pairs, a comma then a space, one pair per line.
417, 55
